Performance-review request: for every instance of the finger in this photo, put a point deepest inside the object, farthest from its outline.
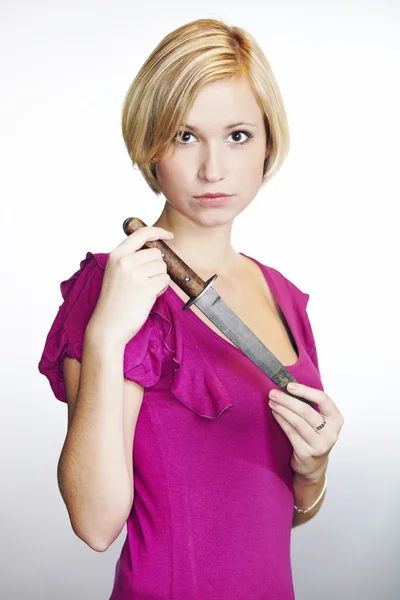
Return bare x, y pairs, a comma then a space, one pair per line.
299, 427
300, 445
308, 414
136, 240
325, 404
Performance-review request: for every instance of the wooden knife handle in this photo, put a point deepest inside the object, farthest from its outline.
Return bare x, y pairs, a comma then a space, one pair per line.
179, 271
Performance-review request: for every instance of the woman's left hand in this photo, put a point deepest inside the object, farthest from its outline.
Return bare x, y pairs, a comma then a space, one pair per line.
311, 447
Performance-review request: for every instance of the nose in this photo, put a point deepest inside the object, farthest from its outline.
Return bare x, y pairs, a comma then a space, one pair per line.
211, 167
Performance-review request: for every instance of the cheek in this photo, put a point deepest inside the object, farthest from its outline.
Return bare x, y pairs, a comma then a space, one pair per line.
248, 173
249, 158
173, 179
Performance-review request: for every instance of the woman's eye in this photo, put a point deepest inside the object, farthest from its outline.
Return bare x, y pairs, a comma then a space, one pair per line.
236, 134
182, 133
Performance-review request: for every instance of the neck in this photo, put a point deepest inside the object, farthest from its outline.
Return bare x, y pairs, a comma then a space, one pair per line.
205, 249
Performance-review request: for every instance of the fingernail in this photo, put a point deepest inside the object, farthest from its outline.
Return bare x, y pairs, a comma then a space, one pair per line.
292, 387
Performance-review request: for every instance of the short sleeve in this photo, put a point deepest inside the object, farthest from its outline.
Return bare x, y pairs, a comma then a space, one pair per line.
300, 301
143, 356
310, 344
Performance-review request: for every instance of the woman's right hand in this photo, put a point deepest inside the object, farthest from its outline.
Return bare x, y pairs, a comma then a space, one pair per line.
132, 281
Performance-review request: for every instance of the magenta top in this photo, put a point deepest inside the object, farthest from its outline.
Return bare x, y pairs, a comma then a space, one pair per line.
213, 499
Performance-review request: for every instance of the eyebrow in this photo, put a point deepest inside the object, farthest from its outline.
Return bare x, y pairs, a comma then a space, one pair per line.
225, 128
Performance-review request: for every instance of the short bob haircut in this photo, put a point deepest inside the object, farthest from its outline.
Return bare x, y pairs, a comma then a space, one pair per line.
160, 97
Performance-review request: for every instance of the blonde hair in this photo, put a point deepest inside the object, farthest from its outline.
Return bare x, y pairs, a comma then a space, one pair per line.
161, 95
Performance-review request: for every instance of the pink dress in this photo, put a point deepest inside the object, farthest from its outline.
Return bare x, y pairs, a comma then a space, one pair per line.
213, 499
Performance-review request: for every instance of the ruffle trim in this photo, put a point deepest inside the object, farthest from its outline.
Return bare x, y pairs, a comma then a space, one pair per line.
144, 355
194, 383
52, 360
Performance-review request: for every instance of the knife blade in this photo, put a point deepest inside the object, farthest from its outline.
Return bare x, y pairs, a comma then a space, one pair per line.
202, 295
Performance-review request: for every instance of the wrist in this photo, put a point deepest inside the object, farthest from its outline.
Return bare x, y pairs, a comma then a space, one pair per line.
100, 339
305, 493
311, 479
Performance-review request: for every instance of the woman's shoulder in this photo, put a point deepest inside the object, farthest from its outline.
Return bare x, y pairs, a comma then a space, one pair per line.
99, 257
91, 266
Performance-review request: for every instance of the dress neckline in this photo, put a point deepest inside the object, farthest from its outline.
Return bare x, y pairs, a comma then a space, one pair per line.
275, 294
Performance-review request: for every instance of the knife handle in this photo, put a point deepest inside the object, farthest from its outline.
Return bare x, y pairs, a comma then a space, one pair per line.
178, 270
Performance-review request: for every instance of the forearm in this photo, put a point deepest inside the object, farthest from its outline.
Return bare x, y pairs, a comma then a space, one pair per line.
94, 479
306, 491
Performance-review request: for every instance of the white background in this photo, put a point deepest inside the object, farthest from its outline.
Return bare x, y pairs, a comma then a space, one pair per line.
328, 221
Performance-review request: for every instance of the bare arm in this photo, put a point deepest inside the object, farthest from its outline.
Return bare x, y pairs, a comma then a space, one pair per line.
95, 470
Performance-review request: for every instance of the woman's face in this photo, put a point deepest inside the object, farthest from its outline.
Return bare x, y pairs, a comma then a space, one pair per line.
215, 157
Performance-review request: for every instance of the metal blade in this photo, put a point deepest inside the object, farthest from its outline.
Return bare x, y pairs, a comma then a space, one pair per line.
211, 304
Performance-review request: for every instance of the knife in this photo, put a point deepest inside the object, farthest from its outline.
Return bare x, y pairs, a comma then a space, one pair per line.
211, 304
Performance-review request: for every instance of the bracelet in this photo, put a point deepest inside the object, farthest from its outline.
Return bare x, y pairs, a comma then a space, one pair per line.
305, 510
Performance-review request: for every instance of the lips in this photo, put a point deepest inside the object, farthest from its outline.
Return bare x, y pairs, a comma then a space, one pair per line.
213, 201
216, 195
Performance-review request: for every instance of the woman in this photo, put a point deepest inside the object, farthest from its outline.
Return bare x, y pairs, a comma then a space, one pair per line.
171, 428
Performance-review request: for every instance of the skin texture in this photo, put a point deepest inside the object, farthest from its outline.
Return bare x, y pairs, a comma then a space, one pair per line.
213, 160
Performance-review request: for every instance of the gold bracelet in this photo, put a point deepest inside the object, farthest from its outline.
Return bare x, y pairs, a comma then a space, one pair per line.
305, 510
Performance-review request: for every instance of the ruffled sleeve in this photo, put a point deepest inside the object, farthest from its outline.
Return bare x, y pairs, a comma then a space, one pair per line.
143, 357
